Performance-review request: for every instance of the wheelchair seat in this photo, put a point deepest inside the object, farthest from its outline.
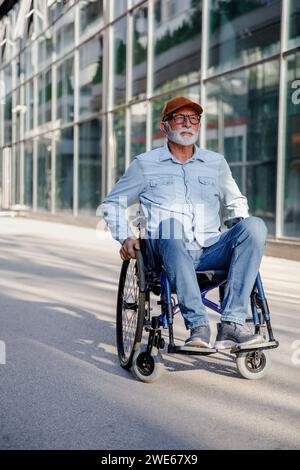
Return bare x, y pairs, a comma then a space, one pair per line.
211, 277
153, 270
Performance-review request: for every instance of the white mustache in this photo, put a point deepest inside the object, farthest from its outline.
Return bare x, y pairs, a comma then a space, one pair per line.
186, 129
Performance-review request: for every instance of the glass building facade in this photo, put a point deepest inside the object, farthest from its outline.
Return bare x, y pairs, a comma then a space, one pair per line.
83, 82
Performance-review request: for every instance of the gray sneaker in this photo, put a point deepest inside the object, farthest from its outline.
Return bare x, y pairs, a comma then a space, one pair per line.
200, 337
230, 334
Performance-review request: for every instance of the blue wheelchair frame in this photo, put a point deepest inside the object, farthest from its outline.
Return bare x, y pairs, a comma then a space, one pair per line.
165, 320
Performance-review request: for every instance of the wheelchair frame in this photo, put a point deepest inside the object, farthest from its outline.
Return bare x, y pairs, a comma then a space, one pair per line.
145, 361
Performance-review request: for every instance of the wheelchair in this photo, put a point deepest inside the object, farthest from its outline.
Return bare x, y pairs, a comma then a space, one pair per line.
146, 306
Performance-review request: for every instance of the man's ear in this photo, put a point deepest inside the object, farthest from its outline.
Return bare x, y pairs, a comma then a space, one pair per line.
162, 127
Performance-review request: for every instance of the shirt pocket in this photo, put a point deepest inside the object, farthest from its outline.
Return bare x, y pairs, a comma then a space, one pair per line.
162, 189
208, 189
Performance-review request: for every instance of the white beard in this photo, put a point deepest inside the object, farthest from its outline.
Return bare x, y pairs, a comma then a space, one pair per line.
177, 138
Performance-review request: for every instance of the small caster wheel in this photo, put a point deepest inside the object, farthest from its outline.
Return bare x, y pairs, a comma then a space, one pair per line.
150, 370
253, 365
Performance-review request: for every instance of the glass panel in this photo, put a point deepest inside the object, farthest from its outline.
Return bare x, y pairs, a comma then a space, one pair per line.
29, 105
138, 129
237, 174
261, 192
8, 78
8, 120
44, 172
65, 32
119, 7
28, 58
242, 124
91, 14
64, 171
139, 60
19, 116
41, 15
292, 150
45, 98
45, 49
90, 77
65, 91
118, 164
119, 32
28, 173
242, 31
16, 173
90, 136
158, 137
177, 43
294, 23
57, 9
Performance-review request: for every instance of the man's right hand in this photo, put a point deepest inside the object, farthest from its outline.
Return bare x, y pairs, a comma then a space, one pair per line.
128, 248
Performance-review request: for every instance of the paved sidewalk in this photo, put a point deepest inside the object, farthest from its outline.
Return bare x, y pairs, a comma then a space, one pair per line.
62, 387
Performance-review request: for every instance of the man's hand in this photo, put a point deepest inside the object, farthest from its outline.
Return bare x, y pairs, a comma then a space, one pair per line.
128, 248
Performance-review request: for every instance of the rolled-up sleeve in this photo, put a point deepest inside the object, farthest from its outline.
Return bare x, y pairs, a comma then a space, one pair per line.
125, 192
235, 204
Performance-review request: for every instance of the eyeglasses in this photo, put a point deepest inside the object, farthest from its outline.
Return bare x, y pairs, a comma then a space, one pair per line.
182, 118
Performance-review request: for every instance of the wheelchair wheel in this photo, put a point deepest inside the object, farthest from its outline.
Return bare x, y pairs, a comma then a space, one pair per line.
150, 370
130, 309
253, 365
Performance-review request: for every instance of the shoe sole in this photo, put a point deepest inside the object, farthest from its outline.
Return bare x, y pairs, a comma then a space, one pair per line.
227, 344
197, 343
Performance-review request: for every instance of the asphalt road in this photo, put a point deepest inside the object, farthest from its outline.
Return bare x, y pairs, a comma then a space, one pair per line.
62, 387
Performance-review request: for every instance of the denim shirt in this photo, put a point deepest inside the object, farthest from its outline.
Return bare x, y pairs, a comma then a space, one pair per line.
195, 192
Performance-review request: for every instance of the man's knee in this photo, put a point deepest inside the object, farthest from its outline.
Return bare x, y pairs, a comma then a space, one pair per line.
255, 228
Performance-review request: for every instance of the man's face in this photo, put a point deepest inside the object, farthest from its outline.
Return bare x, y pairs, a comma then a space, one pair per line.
183, 128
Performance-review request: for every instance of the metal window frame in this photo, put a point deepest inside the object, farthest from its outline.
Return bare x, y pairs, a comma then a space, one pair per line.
280, 177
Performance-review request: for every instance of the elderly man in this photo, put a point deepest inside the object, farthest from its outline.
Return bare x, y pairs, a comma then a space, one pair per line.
181, 189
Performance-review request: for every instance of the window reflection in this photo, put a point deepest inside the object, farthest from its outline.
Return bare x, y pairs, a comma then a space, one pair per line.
44, 167
65, 91
90, 136
45, 48
139, 60
91, 11
45, 98
119, 32
65, 32
16, 173
90, 79
177, 43
29, 102
119, 7
118, 165
138, 128
294, 23
242, 31
292, 149
8, 120
28, 173
242, 120
64, 171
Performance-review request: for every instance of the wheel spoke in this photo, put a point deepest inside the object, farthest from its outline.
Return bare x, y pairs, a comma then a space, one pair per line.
130, 304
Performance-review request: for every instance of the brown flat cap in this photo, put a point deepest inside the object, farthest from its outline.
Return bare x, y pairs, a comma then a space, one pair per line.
179, 102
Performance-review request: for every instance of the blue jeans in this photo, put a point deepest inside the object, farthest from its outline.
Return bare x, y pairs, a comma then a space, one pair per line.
238, 251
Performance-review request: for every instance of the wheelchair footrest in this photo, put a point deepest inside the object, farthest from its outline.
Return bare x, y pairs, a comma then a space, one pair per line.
255, 347
190, 350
